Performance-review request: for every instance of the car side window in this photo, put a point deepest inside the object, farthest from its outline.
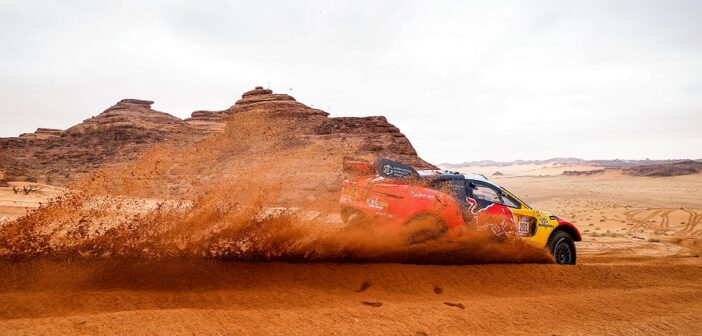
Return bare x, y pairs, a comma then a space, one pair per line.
486, 194
455, 188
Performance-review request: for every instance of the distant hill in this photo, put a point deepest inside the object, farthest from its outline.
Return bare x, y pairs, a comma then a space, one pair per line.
580, 167
564, 162
490, 163
685, 167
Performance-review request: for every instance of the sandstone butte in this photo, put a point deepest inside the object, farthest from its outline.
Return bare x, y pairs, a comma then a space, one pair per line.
125, 130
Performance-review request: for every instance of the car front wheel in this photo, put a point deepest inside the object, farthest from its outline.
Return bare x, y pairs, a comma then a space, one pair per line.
562, 248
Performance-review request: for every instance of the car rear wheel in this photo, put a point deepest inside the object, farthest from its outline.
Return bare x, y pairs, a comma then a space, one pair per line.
562, 248
426, 228
357, 220
345, 214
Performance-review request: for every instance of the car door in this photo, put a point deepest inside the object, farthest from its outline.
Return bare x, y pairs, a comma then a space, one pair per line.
488, 208
526, 219
498, 211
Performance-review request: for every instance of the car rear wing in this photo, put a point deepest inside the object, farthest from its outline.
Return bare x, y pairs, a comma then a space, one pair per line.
391, 169
382, 167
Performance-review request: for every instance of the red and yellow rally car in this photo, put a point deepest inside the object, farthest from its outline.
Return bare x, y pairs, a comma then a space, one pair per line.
429, 204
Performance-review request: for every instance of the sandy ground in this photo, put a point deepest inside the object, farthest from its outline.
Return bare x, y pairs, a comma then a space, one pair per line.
15, 204
622, 217
524, 169
303, 299
639, 272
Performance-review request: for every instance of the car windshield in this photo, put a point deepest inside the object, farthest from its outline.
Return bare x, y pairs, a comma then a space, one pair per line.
515, 197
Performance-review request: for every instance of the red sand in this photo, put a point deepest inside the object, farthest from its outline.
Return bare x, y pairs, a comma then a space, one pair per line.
207, 297
138, 249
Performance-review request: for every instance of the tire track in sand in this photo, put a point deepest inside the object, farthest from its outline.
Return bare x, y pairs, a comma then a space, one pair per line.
641, 223
643, 219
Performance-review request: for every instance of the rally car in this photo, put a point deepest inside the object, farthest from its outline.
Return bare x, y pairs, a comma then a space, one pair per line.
430, 204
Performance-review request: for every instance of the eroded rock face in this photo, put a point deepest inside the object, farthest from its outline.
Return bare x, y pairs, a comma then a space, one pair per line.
273, 148
261, 95
129, 114
42, 133
372, 136
119, 133
257, 91
207, 121
379, 136
124, 131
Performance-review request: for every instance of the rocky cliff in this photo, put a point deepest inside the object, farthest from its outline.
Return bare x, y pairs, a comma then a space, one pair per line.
125, 130
206, 121
375, 135
200, 191
119, 133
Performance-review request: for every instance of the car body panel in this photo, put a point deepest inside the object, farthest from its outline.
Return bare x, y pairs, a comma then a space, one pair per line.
392, 202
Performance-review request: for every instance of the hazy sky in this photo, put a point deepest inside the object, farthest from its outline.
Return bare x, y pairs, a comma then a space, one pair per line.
464, 80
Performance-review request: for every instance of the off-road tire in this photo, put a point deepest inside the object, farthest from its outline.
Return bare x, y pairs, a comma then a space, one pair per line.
357, 220
562, 248
424, 228
345, 214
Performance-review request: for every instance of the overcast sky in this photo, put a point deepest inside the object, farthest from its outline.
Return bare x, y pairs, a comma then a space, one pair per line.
464, 80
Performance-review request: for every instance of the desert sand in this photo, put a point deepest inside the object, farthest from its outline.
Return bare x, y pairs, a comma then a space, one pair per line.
191, 239
638, 272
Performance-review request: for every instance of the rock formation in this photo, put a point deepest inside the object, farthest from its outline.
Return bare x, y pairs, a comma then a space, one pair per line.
685, 167
42, 133
207, 121
376, 135
273, 153
128, 114
379, 137
123, 131
119, 133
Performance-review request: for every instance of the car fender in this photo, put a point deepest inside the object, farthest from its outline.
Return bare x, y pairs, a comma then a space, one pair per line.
564, 225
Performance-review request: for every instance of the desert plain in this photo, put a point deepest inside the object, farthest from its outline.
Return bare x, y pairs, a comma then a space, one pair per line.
639, 272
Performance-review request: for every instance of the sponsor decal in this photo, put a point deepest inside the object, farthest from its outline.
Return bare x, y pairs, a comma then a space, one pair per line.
544, 223
397, 171
524, 227
377, 204
491, 212
475, 207
354, 193
421, 195
384, 215
387, 169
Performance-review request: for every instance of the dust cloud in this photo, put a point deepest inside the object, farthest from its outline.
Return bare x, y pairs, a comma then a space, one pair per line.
265, 190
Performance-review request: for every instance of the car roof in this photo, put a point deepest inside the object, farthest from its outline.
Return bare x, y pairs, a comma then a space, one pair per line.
453, 175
